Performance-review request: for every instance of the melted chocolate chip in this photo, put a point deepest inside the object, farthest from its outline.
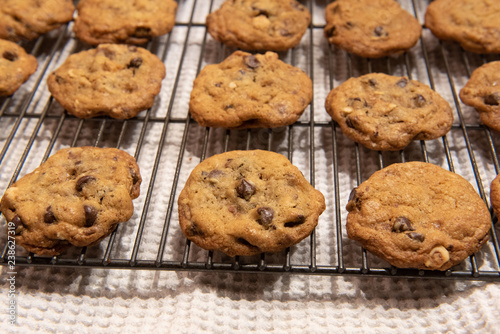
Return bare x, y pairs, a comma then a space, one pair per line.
416, 236
252, 61
135, 178
9, 55
17, 221
353, 194
380, 31
372, 82
135, 63
419, 101
402, 224
299, 220
194, 230
90, 215
143, 32
402, 83
49, 217
492, 99
245, 189
349, 123
83, 181
266, 215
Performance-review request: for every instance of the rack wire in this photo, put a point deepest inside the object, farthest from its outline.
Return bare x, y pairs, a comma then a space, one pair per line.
164, 137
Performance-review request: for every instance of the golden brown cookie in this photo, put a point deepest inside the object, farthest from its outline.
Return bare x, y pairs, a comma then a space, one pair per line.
276, 25
371, 28
482, 92
386, 113
418, 215
475, 24
77, 197
28, 19
125, 21
248, 202
114, 79
250, 91
16, 66
495, 195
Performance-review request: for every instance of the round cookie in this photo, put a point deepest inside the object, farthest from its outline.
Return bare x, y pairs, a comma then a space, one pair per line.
248, 202
276, 25
77, 197
482, 92
125, 21
28, 19
114, 79
16, 66
418, 215
371, 28
250, 91
386, 113
472, 23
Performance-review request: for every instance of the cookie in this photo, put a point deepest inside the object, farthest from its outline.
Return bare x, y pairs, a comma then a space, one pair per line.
474, 24
371, 28
482, 92
28, 19
250, 91
386, 113
114, 79
418, 215
16, 66
130, 22
248, 202
77, 197
495, 195
276, 25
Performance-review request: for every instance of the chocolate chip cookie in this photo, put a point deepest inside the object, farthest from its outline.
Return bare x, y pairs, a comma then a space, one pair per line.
28, 19
418, 215
482, 92
125, 21
16, 66
77, 197
386, 113
475, 24
276, 25
248, 202
250, 91
114, 79
371, 28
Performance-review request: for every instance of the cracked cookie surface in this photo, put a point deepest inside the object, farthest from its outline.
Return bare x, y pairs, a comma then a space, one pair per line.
114, 79
28, 19
250, 91
248, 202
418, 215
276, 25
475, 24
125, 21
16, 66
482, 92
371, 28
77, 197
386, 113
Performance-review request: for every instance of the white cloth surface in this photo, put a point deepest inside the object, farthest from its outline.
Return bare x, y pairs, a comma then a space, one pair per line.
81, 300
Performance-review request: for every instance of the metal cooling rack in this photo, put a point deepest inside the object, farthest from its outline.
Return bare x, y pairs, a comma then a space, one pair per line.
22, 127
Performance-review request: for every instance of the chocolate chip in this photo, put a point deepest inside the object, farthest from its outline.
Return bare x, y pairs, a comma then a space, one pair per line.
416, 236
135, 63
330, 32
492, 99
299, 220
419, 101
372, 82
252, 61
107, 52
49, 217
349, 25
245, 242
402, 224
194, 230
10, 56
285, 32
353, 194
380, 31
135, 178
17, 221
60, 80
90, 215
266, 215
82, 181
245, 189
142, 32
228, 106
215, 173
218, 84
402, 83
348, 122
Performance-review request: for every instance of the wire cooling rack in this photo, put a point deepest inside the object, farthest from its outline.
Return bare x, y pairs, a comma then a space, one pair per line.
167, 144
